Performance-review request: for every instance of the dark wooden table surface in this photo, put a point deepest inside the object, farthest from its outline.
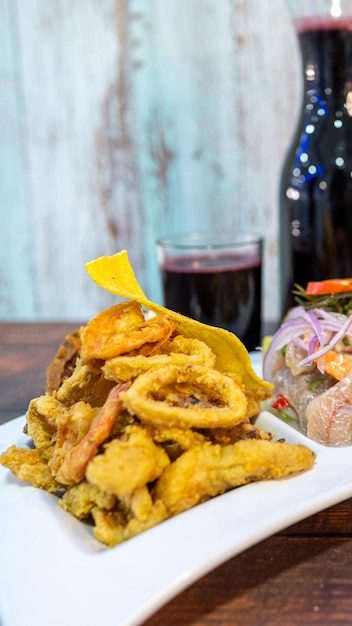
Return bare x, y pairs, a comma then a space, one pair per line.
302, 575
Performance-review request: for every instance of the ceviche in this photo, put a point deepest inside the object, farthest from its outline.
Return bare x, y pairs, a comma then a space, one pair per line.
309, 362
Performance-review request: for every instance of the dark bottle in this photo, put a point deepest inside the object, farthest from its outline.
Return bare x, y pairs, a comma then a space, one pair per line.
316, 182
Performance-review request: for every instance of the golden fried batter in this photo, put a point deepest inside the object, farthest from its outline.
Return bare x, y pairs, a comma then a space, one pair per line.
64, 362
86, 383
209, 470
179, 351
185, 438
27, 465
243, 430
43, 416
71, 430
141, 422
81, 499
121, 329
127, 463
73, 464
225, 401
111, 527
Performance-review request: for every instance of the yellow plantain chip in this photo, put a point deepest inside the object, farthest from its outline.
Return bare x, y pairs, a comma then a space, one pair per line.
115, 274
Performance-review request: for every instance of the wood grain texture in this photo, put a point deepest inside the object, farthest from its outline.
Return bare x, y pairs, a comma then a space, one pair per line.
25, 353
290, 582
121, 120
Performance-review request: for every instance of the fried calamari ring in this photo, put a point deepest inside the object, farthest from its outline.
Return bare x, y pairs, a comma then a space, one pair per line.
215, 399
197, 350
121, 329
178, 351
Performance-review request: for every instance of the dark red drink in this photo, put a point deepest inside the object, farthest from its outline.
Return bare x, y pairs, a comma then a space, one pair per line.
316, 184
220, 290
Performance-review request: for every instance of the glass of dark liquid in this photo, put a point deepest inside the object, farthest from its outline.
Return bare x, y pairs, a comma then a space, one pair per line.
215, 278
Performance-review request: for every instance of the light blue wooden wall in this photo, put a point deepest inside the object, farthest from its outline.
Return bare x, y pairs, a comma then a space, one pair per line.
124, 119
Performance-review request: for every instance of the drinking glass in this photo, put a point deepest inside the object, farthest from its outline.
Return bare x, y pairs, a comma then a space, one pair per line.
215, 278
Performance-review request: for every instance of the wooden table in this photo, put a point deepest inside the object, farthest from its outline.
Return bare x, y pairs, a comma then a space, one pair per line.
300, 576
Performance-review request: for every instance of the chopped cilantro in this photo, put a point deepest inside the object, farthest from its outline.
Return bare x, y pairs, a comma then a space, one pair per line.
336, 302
315, 384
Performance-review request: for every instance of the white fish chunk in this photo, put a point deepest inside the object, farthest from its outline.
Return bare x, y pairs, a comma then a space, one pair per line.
329, 415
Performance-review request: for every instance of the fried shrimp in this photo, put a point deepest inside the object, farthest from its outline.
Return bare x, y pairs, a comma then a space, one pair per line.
73, 466
121, 329
215, 399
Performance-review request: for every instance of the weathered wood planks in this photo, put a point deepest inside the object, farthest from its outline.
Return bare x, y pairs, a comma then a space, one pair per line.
121, 120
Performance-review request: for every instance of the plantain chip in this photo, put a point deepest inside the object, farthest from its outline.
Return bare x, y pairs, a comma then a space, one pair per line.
115, 274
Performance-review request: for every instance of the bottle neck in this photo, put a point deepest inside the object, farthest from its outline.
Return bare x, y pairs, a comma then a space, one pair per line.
327, 60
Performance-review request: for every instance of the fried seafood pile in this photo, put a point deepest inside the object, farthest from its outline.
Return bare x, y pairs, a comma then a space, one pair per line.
139, 423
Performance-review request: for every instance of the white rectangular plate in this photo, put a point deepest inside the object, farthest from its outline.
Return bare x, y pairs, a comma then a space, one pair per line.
53, 571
